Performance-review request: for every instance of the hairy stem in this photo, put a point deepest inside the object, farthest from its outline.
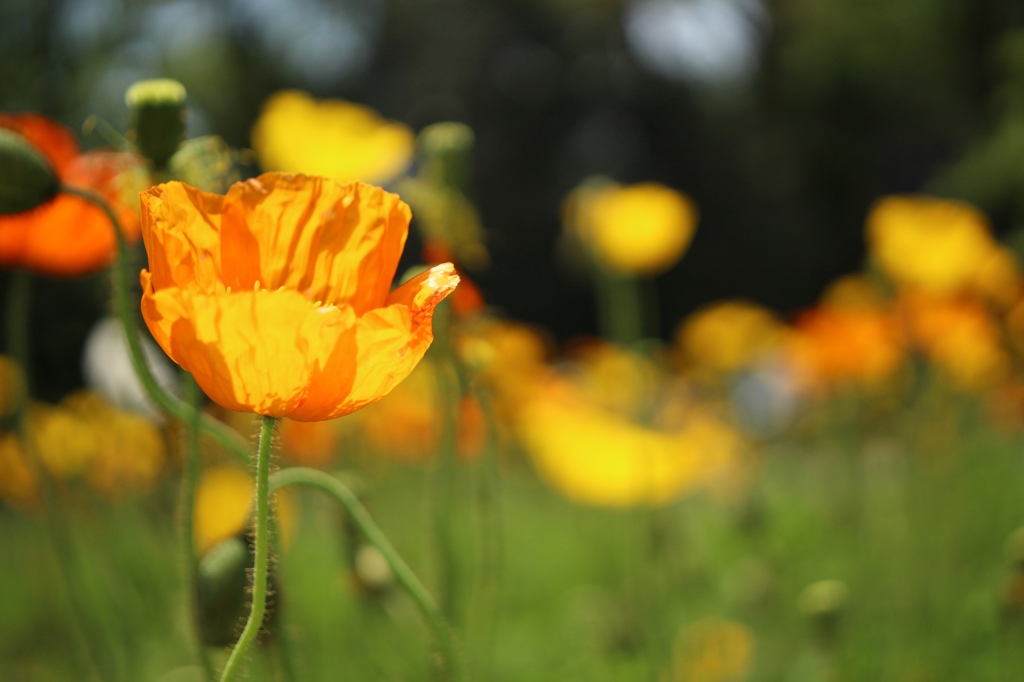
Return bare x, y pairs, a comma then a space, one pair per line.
260, 561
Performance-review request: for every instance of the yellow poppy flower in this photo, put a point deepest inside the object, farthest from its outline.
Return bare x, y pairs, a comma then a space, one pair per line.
276, 297
929, 243
727, 336
224, 505
333, 138
713, 650
597, 457
634, 230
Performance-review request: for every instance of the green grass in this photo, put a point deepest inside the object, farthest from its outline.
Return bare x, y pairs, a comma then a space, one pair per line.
915, 524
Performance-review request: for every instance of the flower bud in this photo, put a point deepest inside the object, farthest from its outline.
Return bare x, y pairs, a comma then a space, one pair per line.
446, 148
824, 603
157, 118
27, 179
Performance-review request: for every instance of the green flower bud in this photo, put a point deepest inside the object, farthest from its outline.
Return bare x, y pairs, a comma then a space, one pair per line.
157, 118
27, 179
446, 149
824, 603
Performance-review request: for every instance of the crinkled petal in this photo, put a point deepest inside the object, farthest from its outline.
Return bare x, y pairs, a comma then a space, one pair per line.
337, 244
391, 341
254, 351
181, 231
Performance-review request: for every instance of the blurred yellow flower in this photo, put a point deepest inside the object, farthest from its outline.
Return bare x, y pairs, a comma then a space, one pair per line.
84, 437
130, 452
277, 296
727, 336
854, 291
333, 138
19, 484
999, 278
64, 442
713, 650
641, 229
597, 457
614, 378
223, 507
928, 243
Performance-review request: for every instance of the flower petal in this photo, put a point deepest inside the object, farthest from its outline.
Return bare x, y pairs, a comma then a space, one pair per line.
390, 340
69, 236
181, 231
254, 351
52, 139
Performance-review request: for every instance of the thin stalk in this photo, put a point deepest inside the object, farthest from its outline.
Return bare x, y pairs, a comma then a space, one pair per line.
19, 304
189, 482
260, 561
375, 536
621, 307
176, 408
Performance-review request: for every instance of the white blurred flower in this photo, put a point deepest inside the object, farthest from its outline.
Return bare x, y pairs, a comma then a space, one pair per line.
705, 41
107, 368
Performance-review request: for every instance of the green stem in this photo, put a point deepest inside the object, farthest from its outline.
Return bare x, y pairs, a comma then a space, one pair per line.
19, 303
375, 536
122, 285
620, 307
260, 561
189, 482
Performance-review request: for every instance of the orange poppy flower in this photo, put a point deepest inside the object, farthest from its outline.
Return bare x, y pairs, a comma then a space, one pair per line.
275, 295
67, 236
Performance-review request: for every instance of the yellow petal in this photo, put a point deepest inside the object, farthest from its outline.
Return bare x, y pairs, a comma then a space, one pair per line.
251, 351
390, 340
337, 139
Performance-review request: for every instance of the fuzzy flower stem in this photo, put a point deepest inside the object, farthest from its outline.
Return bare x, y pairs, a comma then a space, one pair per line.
189, 482
176, 408
456, 666
260, 561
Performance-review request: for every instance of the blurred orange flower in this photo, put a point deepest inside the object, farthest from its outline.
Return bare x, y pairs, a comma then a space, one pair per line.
837, 344
960, 336
276, 295
67, 236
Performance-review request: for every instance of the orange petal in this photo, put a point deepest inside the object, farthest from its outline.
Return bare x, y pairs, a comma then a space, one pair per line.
181, 230
53, 140
339, 244
391, 341
69, 236
250, 351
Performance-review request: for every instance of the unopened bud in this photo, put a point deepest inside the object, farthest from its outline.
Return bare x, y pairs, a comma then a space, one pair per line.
446, 148
824, 603
157, 118
27, 179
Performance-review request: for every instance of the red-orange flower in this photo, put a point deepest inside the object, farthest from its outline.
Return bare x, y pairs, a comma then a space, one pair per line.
67, 236
276, 295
